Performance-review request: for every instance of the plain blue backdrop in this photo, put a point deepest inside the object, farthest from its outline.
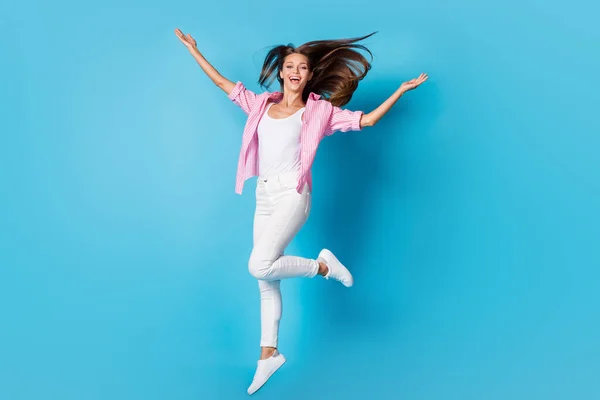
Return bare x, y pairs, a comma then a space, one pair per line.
469, 215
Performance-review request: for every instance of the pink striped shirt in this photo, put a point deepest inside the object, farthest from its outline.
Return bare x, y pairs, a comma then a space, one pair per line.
321, 118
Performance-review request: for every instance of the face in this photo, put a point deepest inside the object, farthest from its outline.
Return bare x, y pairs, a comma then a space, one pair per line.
295, 73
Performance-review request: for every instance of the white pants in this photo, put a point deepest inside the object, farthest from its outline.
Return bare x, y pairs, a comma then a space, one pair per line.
280, 213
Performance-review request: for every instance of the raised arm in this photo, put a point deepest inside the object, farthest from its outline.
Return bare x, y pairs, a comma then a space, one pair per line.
374, 116
212, 73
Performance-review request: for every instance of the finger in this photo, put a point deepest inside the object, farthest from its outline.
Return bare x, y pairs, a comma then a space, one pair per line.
184, 41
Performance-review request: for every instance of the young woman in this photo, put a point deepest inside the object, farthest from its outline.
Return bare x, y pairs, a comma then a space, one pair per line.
280, 140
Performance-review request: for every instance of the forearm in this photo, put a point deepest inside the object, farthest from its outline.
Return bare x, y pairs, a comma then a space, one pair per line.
374, 116
212, 73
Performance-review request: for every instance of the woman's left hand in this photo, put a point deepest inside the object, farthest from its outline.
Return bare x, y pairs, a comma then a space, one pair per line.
413, 83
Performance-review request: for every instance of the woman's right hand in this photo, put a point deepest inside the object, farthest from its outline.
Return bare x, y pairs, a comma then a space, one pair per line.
208, 69
187, 40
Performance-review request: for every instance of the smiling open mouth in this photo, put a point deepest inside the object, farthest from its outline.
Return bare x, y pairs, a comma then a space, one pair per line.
295, 80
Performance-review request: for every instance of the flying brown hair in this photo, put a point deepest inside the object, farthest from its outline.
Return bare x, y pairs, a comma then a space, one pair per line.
337, 67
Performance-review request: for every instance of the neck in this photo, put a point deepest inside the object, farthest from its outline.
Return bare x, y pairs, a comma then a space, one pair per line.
292, 99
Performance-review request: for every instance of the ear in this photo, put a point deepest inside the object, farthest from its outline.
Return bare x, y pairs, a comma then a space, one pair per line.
310, 76
281, 74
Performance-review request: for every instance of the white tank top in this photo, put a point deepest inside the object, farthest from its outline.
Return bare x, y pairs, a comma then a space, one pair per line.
279, 143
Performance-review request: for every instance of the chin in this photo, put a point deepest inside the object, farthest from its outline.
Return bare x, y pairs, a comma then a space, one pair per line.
298, 89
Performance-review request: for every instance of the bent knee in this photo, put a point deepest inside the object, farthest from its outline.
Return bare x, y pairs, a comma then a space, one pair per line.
258, 267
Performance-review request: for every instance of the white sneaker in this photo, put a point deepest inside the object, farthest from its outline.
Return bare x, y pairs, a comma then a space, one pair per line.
337, 270
264, 370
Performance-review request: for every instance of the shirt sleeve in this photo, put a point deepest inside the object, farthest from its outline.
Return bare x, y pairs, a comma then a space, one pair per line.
343, 120
242, 97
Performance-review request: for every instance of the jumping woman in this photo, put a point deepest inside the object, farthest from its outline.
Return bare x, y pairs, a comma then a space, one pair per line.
279, 144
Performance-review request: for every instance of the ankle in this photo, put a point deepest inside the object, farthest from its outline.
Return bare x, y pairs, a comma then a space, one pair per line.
323, 269
267, 352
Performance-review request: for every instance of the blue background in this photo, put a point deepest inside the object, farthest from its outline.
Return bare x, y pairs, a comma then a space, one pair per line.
469, 215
